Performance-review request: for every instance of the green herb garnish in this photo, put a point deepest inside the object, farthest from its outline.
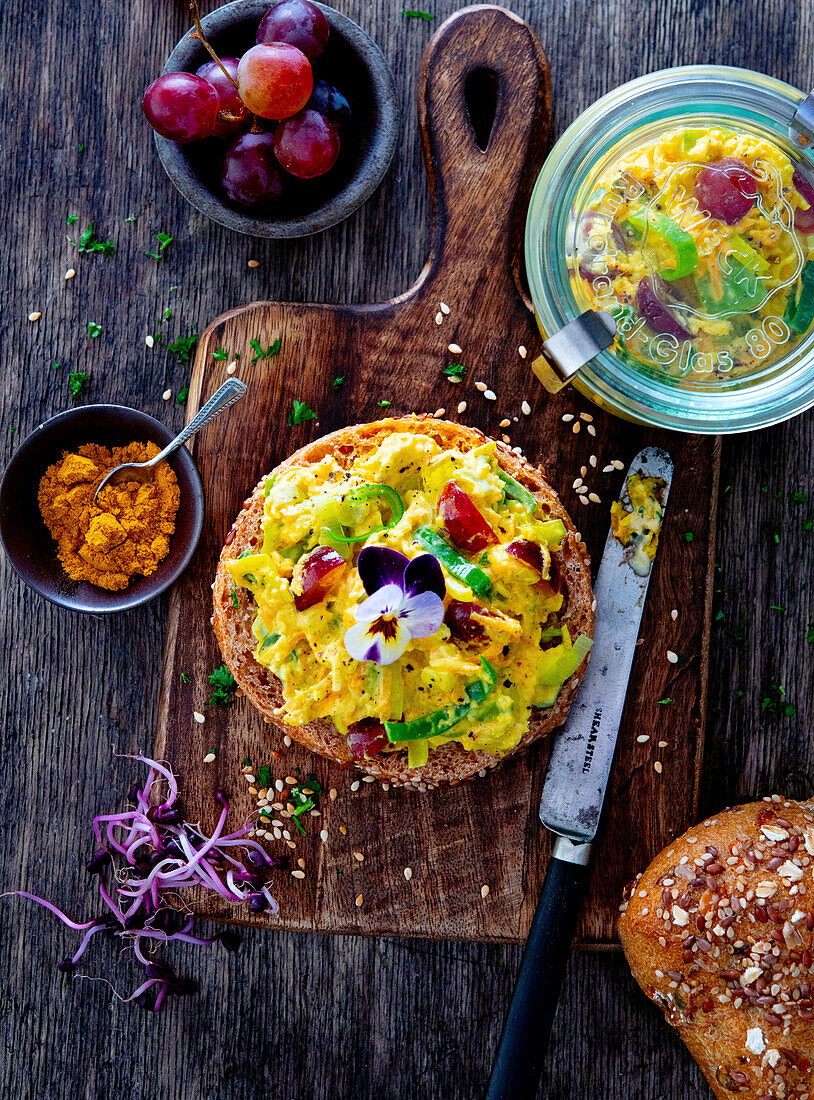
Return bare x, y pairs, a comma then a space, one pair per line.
183, 347
665, 700
220, 353
185, 679
269, 353
94, 330
455, 371
264, 776
384, 403
72, 219
89, 242
182, 396
299, 412
224, 687
77, 382
337, 382
417, 15
304, 802
163, 240
688, 536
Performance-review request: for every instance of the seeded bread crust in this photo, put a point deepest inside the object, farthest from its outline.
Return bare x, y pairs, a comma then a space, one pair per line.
451, 763
718, 932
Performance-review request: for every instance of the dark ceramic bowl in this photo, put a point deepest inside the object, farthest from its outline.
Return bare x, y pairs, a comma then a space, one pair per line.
354, 63
28, 542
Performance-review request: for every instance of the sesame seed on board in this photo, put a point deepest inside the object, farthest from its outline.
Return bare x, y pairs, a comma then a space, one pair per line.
444, 308
456, 349
34, 316
69, 274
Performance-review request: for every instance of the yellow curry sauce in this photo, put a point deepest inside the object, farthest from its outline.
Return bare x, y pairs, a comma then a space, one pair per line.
306, 649
701, 244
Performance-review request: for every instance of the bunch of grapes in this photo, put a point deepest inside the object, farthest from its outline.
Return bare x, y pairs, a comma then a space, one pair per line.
280, 120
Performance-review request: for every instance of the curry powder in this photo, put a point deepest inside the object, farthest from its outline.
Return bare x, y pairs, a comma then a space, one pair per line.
126, 532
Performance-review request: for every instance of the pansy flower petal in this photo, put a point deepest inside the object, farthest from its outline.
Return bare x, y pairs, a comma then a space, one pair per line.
422, 614
386, 601
381, 565
424, 574
382, 641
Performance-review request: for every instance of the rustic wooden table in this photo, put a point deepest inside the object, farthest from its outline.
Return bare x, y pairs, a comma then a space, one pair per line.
298, 1016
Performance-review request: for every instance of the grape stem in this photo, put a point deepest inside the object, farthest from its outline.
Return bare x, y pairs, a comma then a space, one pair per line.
199, 34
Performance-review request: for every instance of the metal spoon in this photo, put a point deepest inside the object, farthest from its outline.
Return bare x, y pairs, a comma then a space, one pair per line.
231, 391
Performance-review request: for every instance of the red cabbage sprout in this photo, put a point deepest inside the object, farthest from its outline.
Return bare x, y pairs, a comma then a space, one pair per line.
149, 849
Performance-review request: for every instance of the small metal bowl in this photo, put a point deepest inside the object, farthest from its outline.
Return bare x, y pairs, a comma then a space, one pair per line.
28, 542
353, 62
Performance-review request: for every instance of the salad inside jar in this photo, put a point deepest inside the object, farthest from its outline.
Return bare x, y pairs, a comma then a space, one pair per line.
700, 243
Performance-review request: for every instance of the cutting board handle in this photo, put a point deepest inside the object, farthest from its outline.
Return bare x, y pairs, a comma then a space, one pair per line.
482, 57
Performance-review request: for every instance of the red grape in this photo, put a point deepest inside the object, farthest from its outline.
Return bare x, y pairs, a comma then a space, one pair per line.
652, 308
804, 219
330, 102
366, 738
181, 106
463, 522
317, 572
726, 190
299, 23
232, 114
529, 553
250, 174
458, 618
275, 80
307, 145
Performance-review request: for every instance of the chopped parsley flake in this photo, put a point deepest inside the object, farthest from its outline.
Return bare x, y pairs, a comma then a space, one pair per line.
417, 15
688, 536
89, 242
234, 596
455, 371
304, 802
668, 700
77, 382
185, 679
264, 776
182, 396
337, 382
272, 350
774, 701
94, 330
72, 219
55, 366
224, 687
384, 404
220, 353
798, 497
163, 240
810, 635
299, 412
183, 347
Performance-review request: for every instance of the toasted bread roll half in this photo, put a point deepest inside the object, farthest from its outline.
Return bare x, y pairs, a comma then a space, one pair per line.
718, 932
235, 610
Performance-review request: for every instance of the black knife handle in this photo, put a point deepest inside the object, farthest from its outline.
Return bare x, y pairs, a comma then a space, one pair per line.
523, 1044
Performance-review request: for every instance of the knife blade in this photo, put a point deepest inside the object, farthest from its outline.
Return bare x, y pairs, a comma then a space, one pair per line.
581, 758
572, 799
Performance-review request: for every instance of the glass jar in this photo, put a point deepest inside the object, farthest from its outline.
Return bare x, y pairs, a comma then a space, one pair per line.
671, 386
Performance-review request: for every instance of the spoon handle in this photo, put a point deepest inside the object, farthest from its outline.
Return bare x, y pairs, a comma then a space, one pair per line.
231, 391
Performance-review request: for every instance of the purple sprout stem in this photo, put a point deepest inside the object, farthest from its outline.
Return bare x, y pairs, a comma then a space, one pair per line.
80, 951
57, 912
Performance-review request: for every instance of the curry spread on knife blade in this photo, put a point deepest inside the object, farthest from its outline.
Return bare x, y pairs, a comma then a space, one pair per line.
409, 595
126, 533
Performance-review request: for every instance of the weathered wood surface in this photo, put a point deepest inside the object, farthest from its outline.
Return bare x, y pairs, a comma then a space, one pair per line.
485, 832
296, 1015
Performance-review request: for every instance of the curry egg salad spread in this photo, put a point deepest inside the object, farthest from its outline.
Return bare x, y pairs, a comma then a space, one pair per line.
409, 597
701, 245
639, 525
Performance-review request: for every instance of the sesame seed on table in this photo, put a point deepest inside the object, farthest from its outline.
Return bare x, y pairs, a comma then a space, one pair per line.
79, 691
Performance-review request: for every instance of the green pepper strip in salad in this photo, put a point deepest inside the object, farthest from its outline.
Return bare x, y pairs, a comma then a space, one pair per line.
515, 491
678, 239
800, 308
452, 561
440, 721
365, 492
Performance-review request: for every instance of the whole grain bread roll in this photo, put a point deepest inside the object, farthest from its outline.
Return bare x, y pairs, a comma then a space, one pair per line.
718, 932
451, 763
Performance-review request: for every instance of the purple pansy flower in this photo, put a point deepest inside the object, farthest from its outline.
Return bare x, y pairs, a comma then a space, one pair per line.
405, 601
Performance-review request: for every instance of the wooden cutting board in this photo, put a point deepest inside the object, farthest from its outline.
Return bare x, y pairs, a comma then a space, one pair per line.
486, 832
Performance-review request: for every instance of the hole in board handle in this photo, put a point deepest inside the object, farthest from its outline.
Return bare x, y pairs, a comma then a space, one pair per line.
481, 92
